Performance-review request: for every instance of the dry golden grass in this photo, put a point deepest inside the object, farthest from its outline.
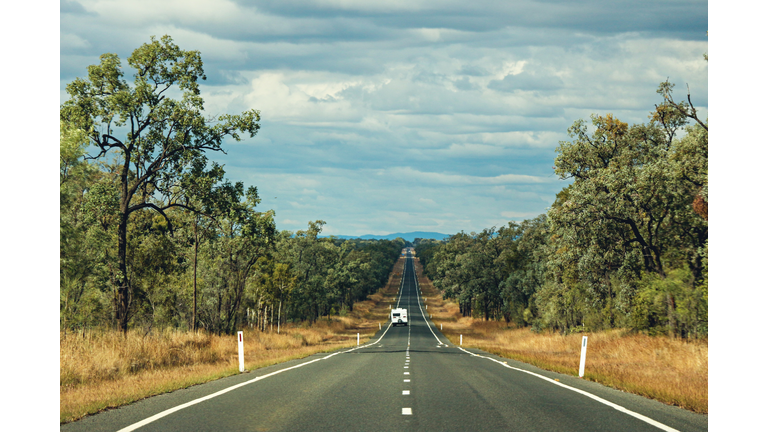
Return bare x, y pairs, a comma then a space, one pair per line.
104, 369
672, 371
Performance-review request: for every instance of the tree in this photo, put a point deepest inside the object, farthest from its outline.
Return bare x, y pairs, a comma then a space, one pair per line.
632, 200
156, 139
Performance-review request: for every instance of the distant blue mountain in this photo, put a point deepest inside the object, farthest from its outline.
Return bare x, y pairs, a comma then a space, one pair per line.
405, 236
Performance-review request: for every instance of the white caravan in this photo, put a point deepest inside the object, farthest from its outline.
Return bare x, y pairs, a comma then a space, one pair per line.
399, 316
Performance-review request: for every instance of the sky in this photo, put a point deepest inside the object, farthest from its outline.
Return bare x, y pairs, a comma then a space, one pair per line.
407, 115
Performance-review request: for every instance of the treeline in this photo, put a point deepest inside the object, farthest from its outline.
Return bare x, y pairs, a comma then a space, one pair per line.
153, 235
624, 245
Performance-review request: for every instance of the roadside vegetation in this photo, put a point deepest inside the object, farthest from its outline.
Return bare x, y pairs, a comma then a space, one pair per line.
163, 259
103, 368
624, 245
670, 370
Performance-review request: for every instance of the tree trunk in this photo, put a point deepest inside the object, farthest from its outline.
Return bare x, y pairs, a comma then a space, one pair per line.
671, 315
194, 284
123, 290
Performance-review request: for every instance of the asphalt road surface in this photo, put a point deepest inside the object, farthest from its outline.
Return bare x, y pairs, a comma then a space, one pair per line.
404, 379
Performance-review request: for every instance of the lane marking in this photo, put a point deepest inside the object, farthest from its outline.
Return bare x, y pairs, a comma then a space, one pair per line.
169, 411
402, 282
406, 373
587, 394
418, 302
407, 411
406, 392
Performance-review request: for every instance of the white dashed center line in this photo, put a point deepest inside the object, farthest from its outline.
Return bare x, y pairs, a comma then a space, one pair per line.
406, 392
407, 411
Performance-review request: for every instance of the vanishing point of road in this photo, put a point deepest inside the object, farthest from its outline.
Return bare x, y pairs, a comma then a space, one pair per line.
404, 379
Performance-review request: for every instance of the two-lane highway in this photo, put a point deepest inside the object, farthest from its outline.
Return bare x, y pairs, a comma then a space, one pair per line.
405, 378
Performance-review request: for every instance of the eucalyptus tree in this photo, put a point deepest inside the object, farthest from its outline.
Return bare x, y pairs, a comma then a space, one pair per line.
310, 257
449, 270
77, 264
484, 269
243, 245
525, 260
155, 138
629, 209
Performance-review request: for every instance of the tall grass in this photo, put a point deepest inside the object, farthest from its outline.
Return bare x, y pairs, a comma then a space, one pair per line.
672, 371
101, 369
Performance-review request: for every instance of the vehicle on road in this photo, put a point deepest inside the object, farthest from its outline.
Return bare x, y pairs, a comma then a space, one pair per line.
399, 316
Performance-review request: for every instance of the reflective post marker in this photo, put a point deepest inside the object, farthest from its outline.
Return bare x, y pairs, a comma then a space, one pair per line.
358, 338
240, 351
461, 340
583, 356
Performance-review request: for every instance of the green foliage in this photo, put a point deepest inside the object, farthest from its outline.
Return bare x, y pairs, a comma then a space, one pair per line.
158, 142
148, 218
653, 310
624, 245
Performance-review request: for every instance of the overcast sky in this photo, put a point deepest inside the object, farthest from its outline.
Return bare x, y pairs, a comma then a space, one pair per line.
405, 115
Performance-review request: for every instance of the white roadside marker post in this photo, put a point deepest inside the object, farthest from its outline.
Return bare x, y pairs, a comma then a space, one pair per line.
461, 340
441, 326
379, 326
240, 351
583, 356
358, 338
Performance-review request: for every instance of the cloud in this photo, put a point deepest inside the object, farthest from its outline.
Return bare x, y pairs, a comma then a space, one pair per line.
72, 7
526, 81
400, 115
71, 42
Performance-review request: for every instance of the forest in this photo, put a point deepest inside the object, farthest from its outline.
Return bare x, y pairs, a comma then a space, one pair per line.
623, 246
153, 235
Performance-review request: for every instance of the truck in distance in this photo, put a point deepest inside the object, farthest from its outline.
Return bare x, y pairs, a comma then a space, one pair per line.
399, 316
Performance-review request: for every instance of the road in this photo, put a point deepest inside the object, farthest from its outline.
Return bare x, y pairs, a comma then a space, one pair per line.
404, 379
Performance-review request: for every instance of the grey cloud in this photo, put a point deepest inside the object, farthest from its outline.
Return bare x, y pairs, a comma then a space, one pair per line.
465, 84
526, 81
73, 7
471, 70
221, 77
443, 103
325, 99
682, 17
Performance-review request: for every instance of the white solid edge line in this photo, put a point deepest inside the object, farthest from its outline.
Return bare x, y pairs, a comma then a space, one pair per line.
418, 302
169, 411
589, 395
402, 282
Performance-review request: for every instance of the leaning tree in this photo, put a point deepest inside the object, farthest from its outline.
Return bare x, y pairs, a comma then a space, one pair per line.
156, 130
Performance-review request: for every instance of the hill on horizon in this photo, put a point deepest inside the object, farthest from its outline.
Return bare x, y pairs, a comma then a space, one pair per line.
411, 236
